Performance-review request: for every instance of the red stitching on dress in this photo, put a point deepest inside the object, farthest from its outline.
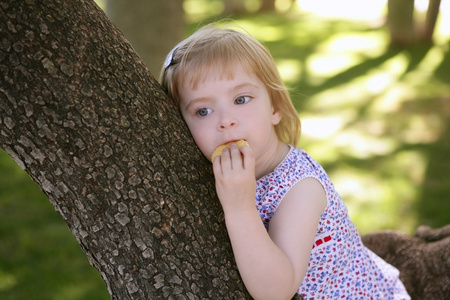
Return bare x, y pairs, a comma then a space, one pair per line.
321, 241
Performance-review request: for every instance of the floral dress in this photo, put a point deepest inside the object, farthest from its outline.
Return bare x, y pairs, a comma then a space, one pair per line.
340, 266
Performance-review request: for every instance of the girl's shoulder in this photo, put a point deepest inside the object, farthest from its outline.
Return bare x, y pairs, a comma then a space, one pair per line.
296, 166
298, 163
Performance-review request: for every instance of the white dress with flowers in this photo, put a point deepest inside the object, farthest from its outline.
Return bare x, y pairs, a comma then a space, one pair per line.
340, 266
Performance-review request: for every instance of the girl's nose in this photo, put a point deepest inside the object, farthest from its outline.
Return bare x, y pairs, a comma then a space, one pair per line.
227, 123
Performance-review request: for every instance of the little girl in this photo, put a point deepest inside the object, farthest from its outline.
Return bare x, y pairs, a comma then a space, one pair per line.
289, 229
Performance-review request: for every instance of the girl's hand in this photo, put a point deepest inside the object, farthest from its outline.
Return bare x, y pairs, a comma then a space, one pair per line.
234, 172
283, 252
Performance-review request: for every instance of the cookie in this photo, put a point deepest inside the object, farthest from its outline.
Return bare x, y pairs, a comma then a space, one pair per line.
218, 151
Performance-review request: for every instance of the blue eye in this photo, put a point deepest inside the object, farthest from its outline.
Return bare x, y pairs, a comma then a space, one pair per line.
203, 112
242, 100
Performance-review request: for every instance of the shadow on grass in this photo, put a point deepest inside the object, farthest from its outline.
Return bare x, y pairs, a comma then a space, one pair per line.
434, 201
433, 204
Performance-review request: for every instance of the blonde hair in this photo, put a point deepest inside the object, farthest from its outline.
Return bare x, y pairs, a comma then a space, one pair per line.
220, 47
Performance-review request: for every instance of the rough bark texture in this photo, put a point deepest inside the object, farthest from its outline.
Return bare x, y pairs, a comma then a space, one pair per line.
83, 117
423, 259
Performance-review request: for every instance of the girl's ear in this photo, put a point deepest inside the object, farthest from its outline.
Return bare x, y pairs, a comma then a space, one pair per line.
276, 116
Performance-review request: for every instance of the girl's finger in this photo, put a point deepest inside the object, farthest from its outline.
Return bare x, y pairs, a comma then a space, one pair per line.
217, 166
248, 157
236, 157
226, 160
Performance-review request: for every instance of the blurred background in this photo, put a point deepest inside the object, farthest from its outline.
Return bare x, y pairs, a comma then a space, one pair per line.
370, 81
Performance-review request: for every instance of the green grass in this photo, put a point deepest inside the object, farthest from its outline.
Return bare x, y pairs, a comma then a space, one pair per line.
377, 119
39, 257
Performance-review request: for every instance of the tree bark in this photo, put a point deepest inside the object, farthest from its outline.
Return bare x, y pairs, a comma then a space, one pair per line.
400, 22
152, 27
80, 113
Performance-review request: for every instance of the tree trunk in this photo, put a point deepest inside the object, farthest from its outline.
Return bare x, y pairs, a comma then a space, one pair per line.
422, 259
267, 5
430, 20
400, 22
152, 27
234, 7
80, 113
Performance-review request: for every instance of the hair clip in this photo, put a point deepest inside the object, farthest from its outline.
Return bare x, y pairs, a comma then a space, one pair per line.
169, 59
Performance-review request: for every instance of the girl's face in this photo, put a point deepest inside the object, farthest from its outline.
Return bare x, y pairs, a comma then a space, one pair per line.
221, 109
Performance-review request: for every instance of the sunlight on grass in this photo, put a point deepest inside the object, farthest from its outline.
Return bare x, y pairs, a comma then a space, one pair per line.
263, 33
377, 83
196, 10
322, 66
74, 291
348, 9
387, 74
7, 281
348, 95
361, 145
427, 66
357, 91
343, 51
373, 10
290, 69
367, 43
422, 129
372, 199
391, 100
283, 5
268, 33
366, 119
252, 5
414, 164
323, 127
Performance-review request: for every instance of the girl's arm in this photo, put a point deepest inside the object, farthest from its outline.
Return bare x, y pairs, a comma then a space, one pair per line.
272, 264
